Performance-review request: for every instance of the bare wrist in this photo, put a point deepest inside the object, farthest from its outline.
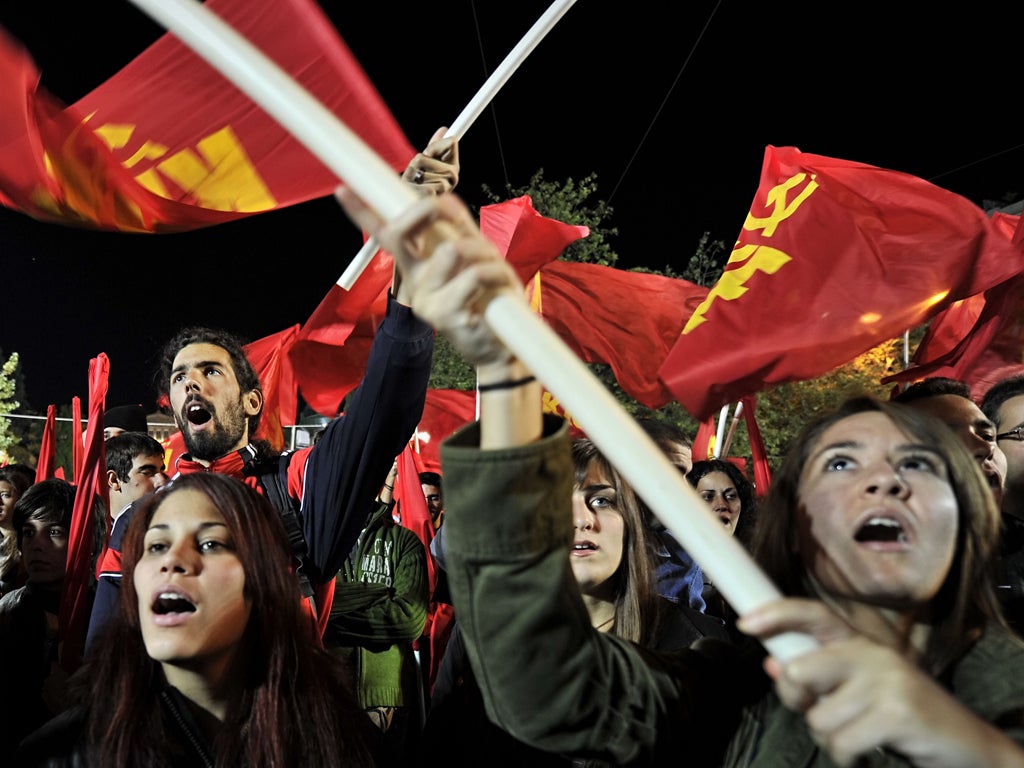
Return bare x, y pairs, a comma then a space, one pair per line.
496, 373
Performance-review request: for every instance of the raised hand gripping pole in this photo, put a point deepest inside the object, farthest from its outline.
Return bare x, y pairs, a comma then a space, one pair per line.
614, 431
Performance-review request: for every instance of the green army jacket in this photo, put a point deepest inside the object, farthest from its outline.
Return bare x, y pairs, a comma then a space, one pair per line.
552, 682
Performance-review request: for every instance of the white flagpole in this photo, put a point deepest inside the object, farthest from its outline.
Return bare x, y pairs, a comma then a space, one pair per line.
723, 453
615, 432
469, 115
723, 416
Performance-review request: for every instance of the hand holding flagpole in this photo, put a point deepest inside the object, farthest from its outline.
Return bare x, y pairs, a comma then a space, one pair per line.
469, 115
616, 433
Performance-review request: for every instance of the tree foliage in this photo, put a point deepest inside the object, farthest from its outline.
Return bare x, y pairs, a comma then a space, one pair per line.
7, 402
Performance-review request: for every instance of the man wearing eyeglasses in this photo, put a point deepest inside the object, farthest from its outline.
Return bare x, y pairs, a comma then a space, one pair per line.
431, 484
1004, 404
950, 401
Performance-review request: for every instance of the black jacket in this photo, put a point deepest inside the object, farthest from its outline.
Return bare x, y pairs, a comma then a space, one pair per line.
61, 743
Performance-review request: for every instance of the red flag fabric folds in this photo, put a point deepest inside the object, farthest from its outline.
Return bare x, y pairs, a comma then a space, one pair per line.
981, 339
526, 239
46, 465
329, 354
77, 439
91, 489
269, 356
416, 517
445, 411
833, 258
978, 340
168, 144
628, 320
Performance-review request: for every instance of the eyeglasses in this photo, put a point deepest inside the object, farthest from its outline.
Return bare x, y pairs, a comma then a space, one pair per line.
1017, 433
433, 499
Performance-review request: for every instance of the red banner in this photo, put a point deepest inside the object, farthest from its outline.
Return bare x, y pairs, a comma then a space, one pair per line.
526, 239
978, 340
269, 356
76, 593
833, 258
445, 411
627, 320
168, 144
46, 466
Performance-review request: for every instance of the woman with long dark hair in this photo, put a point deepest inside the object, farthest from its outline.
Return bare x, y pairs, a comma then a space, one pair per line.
211, 661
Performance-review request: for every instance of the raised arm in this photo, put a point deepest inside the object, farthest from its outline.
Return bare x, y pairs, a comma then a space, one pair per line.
508, 484
346, 470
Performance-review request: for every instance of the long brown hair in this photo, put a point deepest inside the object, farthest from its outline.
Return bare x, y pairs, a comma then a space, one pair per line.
637, 605
295, 707
967, 598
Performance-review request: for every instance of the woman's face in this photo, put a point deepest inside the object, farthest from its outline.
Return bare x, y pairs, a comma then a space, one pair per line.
8, 495
719, 491
190, 583
877, 517
599, 533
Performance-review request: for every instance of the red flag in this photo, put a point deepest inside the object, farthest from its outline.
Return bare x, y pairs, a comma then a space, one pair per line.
174, 447
704, 441
46, 466
949, 328
758, 452
445, 411
77, 439
628, 320
329, 354
526, 239
1011, 225
980, 339
91, 490
989, 350
168, 144
833, 258
269, 356
415, 515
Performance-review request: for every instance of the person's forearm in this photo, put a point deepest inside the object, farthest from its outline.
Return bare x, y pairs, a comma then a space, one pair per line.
510, 405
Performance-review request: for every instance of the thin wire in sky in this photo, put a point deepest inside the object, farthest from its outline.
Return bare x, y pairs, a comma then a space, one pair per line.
975, 162
490, 107
664, 101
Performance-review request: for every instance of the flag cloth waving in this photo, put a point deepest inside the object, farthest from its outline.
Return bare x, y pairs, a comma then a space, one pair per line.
834, 257
981, 339
46, 465
526, 239
168, 144
269, 356
627, 320
90, 491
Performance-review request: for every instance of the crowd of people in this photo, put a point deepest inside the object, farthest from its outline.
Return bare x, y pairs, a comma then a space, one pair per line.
258, 608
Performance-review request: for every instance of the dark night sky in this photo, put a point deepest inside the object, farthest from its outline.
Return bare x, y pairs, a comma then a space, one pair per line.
670, 104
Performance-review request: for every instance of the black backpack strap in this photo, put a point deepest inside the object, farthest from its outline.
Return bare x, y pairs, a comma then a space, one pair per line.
273, 477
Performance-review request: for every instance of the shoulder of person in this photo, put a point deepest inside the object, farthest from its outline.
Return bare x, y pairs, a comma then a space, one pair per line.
59, 742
